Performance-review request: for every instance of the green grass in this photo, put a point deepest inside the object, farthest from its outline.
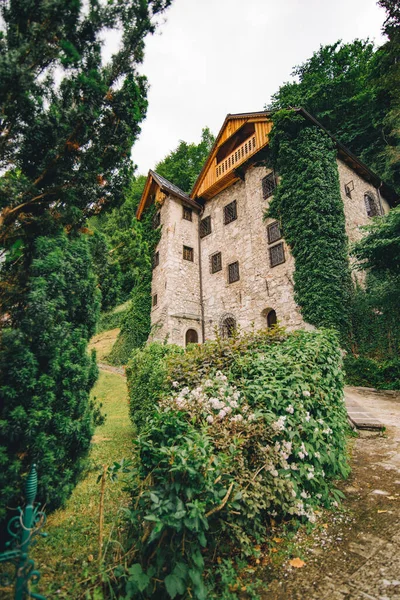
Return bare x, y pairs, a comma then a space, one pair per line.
67, 558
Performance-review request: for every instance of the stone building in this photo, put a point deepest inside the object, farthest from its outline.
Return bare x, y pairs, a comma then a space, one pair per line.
219, 265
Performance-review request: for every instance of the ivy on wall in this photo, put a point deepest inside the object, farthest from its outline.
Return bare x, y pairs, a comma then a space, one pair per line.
308, 204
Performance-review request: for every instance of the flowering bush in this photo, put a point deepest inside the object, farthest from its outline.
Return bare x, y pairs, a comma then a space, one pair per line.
263, 437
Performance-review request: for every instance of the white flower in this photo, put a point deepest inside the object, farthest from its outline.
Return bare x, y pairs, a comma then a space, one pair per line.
237, 419
279, 425
317, 454
306, 393
308, 417
175, 384
290, 409
311, 517
310, 475
210, 419
293, 494
221, 414
251, 417
274, 473
301, 455
327, 431
233, 404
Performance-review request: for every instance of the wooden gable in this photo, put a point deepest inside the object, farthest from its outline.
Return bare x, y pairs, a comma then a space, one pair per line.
241, 136
157, 188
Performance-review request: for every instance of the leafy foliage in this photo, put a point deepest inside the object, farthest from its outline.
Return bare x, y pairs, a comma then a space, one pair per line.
308, 204
108, 272
46, 374
364, 371
353, 90
223, 455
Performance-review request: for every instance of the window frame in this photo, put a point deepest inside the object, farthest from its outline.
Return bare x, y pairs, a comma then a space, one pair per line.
268, 191
154, 300
270, 228
212, 257
201, 227
227, 218
188, 253
271, 250
231, 271
156, 259
187, 213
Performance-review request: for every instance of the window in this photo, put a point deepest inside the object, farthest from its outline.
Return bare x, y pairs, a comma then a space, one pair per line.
205, 227
371, 205
274, 232
187, 213
233, 272
156, 259
191, 337
187, 253
230, 213
228, 327
268, 185
155, 300
216, 262
277, 255
156, 220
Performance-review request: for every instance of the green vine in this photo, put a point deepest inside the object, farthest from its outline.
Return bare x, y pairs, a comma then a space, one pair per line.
308, 204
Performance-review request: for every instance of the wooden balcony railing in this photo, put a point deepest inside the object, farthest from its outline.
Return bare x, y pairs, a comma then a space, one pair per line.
237, 156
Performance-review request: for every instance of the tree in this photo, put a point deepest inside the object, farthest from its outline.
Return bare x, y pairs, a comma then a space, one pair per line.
68, 120
109, 276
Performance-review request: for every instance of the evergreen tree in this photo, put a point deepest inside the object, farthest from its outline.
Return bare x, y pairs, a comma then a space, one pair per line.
109, 276
68, 120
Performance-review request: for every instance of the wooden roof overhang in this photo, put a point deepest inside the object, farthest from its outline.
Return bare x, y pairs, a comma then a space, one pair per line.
156, 182
209, 183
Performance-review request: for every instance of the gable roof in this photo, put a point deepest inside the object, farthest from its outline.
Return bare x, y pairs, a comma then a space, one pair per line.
344, 153
165, 186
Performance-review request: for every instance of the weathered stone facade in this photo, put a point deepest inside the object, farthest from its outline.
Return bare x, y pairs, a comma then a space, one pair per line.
260, 287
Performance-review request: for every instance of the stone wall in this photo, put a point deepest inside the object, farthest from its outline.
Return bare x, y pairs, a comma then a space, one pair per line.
175, 280
260, 287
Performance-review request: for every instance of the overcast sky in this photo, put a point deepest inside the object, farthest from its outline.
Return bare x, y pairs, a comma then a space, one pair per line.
213, 57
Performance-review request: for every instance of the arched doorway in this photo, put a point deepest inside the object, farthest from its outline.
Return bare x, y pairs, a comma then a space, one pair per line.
271, 318
228, 326
191, 337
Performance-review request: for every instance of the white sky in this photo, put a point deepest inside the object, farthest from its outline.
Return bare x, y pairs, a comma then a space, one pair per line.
213, 57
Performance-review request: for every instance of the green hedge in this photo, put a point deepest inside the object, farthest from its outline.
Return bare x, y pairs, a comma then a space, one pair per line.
233, 433
367, 372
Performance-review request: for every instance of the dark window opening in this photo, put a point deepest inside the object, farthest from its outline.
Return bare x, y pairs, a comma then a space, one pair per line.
156, 220
187, 213
187, 253
228, 327
371, 205
268, 185
155, 300
233, 272
277, 255
191, 337
216, 262
274, 232
230, 212
271, 318
156, 259
205, 227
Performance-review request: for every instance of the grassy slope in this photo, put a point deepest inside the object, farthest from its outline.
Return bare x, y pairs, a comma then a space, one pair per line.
68, 555
103, 343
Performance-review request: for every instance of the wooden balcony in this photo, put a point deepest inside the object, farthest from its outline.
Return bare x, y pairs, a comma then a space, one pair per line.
236, 157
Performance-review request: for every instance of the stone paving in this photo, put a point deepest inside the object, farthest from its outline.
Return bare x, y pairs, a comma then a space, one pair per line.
357, 556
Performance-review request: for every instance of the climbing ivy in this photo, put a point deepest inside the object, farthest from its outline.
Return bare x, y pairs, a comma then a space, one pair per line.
308, 204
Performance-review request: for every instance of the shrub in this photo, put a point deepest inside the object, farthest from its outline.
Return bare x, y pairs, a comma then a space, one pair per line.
112, 319
226, 451
368, 372
146, 376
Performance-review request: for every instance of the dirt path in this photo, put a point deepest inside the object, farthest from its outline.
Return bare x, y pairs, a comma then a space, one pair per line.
355, 555
111, 369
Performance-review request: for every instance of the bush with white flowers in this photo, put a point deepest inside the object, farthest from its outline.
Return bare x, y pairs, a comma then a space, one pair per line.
249, 429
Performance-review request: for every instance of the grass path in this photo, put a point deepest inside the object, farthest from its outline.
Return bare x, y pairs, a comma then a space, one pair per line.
69, 554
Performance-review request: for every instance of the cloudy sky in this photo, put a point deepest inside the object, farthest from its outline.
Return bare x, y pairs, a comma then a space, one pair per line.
213, 57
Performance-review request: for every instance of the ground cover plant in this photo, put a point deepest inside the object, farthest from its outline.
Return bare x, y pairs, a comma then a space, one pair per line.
246, 430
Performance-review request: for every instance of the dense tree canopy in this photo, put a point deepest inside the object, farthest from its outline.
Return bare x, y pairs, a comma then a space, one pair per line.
68, 120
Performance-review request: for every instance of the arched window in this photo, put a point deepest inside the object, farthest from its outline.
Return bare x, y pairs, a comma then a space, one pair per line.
228, 326
191, 337
371, 205
271, 318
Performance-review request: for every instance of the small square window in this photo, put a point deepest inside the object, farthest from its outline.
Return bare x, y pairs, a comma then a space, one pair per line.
274, 232
187, 253
216, 262
157, 220
155, 300
187, 213
230, 212
268, 185
205, 227
277, 255
156, 259
233, 272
